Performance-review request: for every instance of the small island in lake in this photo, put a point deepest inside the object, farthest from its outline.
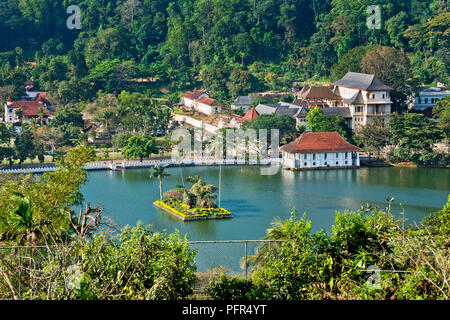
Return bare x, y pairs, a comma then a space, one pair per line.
196, 203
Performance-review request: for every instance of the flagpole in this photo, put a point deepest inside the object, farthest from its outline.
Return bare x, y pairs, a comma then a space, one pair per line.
220, 183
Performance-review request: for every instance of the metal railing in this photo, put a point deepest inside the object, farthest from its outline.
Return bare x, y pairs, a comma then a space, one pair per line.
146, 164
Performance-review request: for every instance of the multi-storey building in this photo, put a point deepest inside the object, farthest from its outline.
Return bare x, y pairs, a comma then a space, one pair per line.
366, 96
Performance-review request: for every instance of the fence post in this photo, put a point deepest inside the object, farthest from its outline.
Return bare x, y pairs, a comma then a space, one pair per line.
245, 259
20, 272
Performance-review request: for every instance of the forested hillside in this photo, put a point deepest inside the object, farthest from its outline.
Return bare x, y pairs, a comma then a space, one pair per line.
229, 47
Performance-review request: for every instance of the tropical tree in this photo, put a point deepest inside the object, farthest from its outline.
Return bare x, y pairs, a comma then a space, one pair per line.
442, 112
139, 147
373, 137
193, 179
205, 194
318, 122
19, 114
24, 146
413, 136
51, 137
41, 113
159, 172
5, 134
23, 228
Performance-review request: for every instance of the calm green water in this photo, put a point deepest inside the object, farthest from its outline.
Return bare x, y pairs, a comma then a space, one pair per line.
256, 200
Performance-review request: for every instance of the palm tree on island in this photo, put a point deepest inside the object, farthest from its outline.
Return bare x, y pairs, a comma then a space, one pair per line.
159, 172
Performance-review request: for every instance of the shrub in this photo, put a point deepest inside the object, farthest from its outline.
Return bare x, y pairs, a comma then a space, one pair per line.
230, 288
140, 265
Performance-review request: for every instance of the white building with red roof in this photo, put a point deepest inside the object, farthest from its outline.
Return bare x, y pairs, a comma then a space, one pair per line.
200, 101
208, 106
190, 98
320, 150
31, 109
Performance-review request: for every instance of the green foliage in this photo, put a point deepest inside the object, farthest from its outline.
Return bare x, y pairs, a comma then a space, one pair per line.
139, 264
334, 266
439, 222
442, 112
351, 61
414, 137
284, 123
24, 146
40, 205
373, 137
230, 288
139, 147
317, 122
142, 265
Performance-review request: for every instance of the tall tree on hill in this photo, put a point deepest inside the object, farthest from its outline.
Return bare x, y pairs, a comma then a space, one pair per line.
373, 137
24, 145
392, 67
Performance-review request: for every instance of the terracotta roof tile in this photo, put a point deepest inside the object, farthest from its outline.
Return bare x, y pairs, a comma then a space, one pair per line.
207, 101
193, 95
317, 93
319, 142
30, 108
252, 114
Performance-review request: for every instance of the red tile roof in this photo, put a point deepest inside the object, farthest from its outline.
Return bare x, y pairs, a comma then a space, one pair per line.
207, 101
44, 99
30, 108
193, 95
319, 142
317, 94
252, 114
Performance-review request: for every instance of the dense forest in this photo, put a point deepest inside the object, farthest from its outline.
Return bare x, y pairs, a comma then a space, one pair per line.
229, 47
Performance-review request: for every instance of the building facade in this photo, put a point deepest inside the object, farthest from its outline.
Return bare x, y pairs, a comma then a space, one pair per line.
31, 109
427, 97
242, 103
366, 97
189, 99
207, 106
320, 150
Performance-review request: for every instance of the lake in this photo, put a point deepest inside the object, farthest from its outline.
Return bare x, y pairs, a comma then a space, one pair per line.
256, 200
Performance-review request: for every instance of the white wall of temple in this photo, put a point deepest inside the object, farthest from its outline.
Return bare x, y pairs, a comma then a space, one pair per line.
320, 160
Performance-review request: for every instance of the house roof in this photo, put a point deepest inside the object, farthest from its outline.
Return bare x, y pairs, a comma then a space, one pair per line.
30, 108
42, 97
335, 111
252, 114
192, 95
286, 110
317, 93
266, 108
243, 100
362, 81
207, 101
356, 99
338, 111
319, 142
